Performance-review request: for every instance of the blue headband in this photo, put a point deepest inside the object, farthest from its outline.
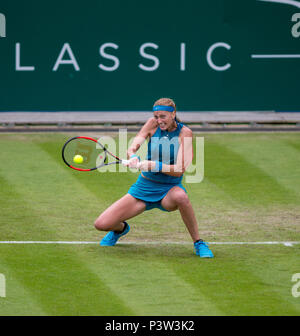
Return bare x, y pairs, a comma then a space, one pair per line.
163, 108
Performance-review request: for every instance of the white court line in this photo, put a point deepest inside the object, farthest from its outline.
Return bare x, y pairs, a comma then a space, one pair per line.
286, 243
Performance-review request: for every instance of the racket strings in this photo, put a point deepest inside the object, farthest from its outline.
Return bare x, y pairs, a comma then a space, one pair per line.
84, 153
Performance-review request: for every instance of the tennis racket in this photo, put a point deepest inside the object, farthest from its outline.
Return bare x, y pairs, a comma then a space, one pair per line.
86, 154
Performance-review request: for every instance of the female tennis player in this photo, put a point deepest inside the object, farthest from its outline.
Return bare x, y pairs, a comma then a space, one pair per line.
159, 185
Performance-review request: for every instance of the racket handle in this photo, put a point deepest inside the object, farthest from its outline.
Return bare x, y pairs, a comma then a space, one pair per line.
125, 162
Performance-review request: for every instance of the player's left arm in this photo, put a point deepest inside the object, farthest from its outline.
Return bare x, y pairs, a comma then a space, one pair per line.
184, 156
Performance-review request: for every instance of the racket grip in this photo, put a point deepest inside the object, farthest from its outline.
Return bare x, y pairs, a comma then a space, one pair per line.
125, 162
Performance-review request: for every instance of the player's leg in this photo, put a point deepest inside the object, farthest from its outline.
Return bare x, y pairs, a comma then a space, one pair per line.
112, 219
177, 198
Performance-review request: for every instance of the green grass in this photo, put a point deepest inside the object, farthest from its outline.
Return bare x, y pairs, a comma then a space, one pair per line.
251, 192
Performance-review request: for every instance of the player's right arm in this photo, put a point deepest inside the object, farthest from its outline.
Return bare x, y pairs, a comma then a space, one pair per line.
146, 132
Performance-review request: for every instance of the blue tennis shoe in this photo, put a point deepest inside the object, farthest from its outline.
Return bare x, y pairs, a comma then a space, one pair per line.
111, 238
202, 249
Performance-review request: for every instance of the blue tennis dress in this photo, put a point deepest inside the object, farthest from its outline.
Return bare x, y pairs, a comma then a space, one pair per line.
163, 146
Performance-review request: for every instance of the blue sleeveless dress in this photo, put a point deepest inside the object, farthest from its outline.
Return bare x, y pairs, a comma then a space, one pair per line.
163, 146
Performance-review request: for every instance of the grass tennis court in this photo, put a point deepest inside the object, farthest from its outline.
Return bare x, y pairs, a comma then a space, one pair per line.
250, 193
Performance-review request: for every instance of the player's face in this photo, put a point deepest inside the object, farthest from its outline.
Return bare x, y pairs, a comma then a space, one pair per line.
165, 119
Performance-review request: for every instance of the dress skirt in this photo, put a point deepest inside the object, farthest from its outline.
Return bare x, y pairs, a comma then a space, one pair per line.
151, 192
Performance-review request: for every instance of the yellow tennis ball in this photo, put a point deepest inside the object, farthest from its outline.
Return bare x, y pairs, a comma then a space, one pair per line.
78, 159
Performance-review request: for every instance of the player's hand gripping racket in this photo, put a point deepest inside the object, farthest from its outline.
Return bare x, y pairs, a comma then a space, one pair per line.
86, 154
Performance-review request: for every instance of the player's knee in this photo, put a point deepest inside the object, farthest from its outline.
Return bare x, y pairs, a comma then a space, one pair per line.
181, 198
101, 225
97, 224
